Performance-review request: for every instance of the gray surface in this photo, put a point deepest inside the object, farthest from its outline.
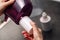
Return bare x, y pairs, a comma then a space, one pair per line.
11, 31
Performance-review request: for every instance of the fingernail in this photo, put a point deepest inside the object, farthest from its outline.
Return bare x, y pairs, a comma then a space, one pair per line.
23, 32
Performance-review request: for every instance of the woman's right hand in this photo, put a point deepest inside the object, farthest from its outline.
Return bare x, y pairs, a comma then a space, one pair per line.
37, 33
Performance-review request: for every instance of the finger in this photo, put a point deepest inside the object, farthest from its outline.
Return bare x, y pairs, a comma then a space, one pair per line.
29, 38
9, 2
35, 29
36, 32
25, 34
41, 36
3, 0
33, 24
39, 30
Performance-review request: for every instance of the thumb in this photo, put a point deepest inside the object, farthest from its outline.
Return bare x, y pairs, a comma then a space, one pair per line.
36, 32
35, 29
33, 24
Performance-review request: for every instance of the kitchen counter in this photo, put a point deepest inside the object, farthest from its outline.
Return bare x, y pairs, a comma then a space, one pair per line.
52, 8
54, 34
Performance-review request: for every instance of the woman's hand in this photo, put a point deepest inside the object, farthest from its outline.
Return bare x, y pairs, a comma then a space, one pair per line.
37, 33
4, 4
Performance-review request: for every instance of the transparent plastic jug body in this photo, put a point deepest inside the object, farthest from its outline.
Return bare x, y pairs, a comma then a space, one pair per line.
19, 9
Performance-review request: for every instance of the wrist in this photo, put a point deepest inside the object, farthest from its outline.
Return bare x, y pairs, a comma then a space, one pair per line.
0, 13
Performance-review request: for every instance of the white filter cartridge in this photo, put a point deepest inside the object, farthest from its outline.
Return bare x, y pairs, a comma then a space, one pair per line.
25, 23
45, 22
45, 18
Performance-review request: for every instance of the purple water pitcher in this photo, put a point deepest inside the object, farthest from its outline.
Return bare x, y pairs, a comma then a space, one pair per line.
19, 9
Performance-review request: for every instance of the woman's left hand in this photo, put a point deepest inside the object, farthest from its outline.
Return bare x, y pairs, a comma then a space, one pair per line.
4, 4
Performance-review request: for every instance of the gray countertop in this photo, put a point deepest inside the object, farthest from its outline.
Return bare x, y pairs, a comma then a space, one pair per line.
52, 8
54, 34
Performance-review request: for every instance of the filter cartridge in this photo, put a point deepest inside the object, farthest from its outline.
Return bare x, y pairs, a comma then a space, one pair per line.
25, 23
45, 22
